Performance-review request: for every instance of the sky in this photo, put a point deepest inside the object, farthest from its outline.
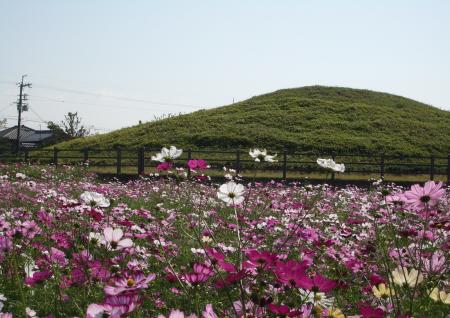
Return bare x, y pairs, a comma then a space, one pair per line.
118, 62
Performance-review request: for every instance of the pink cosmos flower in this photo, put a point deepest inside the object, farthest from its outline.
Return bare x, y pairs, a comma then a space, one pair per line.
30, 229
219, 259
164, 166
397, 199
418, 197
178, 314
121, 305
57, 256
249, 307
317, 283
95, 311
230, 279
259, 259
129, 284
200, 274
37, 277
368, 312
5, 244
282, 310
99, 272
291, 272
197, 164
6, 315
436, 263
113, 239
209, 312
113, 307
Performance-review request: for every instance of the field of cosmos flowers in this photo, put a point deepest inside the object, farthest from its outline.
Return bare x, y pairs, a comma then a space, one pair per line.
166, 246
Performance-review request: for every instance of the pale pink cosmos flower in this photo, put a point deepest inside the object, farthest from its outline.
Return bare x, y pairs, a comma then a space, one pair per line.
420, 197
177, 314
95, 311
436, 263
113, 307
209, 312
112, 239
129, 284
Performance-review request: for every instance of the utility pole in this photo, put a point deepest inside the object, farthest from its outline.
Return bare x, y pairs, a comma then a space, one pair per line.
22, 106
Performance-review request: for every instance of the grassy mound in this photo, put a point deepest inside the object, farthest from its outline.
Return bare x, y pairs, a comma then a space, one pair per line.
314, 118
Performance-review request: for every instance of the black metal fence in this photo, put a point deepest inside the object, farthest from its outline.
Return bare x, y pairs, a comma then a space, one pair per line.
138, 161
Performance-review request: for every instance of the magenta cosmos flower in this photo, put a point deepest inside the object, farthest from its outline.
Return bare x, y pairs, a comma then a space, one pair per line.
164, 166
419, 198
317, 283
290, 273
197, 164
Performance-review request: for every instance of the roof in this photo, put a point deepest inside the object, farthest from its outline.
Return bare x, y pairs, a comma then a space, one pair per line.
27, 134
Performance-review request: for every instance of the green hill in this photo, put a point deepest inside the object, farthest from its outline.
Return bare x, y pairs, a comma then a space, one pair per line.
314, 118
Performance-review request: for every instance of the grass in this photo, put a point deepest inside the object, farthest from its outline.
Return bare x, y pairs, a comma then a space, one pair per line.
291, 175
316, 119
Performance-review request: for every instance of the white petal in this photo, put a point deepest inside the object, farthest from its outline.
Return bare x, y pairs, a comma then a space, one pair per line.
224, 188
231, 186
125, 243
108, 233
117, 235
239, 189
238, 199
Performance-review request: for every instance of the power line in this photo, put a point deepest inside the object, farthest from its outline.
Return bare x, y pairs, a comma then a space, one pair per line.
5, 108
7, 82
34, 112
130, 99
63, 101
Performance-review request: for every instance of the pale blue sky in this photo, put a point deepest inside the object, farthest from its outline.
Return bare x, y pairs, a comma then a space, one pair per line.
201, 54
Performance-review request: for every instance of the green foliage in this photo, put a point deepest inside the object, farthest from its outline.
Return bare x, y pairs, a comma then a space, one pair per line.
311, 118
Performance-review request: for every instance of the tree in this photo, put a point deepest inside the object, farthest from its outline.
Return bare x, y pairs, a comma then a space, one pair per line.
3, 123
72, 126
58, 133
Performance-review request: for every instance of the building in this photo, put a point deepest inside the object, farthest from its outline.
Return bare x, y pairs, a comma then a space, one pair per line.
29, 138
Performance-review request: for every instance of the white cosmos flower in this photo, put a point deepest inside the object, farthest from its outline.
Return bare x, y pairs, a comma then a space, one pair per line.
261, 155
401, 276
2, 299
94, 199
112, 239
30, 313
96, 238
231, 193
167, 154
330, 164
316, 298
20, 175
442, 296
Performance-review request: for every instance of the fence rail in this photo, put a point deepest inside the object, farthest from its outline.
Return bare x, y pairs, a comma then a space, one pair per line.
288, 161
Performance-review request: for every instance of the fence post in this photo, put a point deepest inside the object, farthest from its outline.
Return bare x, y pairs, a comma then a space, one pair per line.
238, 161
119, 161
333, 156
382, 166
26, 155
284, 164
432, 168
448, 168
85, 155
189, 153
55, 156
141, 159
